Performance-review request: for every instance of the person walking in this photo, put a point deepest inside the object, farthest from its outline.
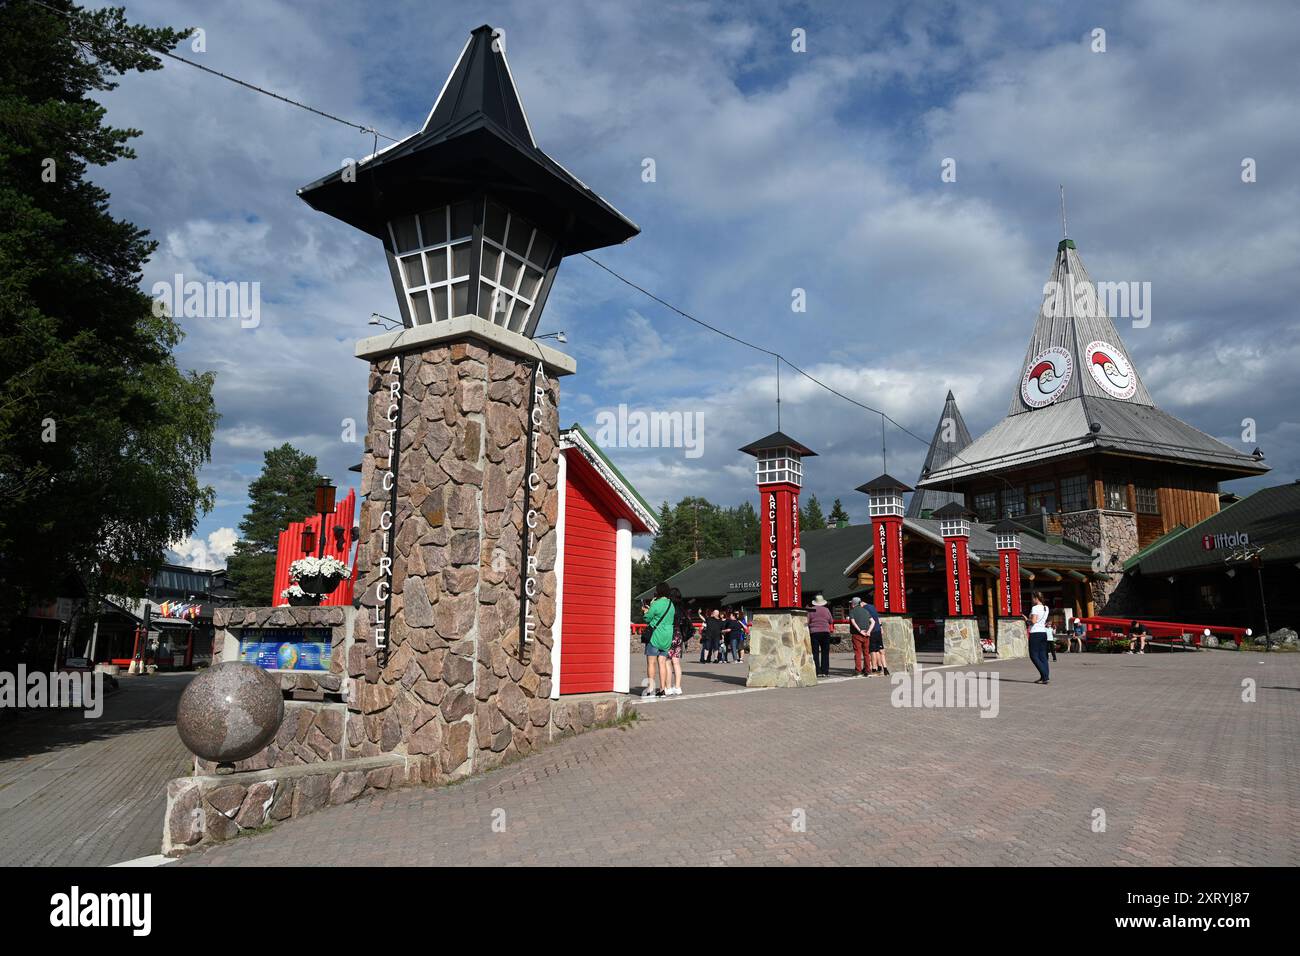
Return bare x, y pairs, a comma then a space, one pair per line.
820, 625
877, 646
1038, 637
682, 631
1051, 638
863, 622
659, 623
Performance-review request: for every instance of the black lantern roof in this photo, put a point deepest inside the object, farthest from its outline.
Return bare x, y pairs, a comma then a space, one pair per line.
953, 511
476, 139
1007, 526
778, 440
883, 483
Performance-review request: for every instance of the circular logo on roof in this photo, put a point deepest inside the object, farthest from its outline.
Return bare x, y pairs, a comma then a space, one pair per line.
1110, 370
1046, 377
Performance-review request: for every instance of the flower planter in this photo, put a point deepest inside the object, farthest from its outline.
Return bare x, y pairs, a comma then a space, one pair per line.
318, 584
304, 600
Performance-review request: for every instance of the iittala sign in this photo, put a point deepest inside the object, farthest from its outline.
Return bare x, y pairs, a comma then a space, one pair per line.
1235, 539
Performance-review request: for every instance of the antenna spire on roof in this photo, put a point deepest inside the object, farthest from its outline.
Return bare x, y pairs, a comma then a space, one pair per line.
1065, 229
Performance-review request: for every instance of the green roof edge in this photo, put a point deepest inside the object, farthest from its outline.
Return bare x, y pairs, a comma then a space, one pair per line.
612, 467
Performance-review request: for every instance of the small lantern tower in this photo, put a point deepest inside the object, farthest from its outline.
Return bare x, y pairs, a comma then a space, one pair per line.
779, 474
954, 525
885, 495
1013, 640
886, 506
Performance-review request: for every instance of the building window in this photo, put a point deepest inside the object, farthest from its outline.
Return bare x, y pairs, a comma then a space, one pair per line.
1013, 501
1075, 494
986, 505
1147, 502
1116, 490
1210, 599
776, 465
515, 256
1042, 497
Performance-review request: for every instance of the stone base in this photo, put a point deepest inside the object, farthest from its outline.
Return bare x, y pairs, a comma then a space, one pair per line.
900, 643
780, 650
961, 641
211, 809
203, 810
1013, 639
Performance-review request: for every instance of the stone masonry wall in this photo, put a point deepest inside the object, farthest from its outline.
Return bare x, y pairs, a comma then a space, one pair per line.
1113, 535
454, 691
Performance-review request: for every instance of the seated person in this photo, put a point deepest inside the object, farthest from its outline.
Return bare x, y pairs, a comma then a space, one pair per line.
1138, 633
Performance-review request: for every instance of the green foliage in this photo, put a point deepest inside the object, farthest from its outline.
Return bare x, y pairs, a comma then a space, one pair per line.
837, 514
695, 525
101, 434
811, 517
284, 492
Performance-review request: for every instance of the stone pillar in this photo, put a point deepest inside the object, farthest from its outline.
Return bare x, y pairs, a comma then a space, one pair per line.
1013, 640
780, 650
455, 689
961, 641
900, 642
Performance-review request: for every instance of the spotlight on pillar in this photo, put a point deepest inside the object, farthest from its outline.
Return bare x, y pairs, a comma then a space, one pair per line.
473, 216
778, 471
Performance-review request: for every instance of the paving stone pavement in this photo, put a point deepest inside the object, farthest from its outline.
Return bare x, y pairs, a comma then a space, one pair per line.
1184, 771
91, 792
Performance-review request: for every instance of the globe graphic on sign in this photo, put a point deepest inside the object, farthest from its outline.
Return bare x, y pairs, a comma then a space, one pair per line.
287, 657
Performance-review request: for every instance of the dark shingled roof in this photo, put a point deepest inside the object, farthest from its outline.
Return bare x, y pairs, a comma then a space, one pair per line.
778, 440
476, 137
1270, 516
883, 483
942, 451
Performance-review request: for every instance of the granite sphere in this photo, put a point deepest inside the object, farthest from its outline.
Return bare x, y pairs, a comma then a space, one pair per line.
230, 712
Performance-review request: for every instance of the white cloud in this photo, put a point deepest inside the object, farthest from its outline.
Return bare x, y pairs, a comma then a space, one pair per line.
208, 555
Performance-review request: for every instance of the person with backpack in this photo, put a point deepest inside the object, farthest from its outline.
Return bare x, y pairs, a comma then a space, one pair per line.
659, 625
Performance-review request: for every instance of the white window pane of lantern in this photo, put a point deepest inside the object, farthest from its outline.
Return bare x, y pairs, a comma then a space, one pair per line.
460, 260
491, 260
414, 270
459, 299
420, 308
532, 282
510, 272
404, 234
520, 235
494, 224
440, 303
433, 226
519, 315
540, 253
462, 220
437, 260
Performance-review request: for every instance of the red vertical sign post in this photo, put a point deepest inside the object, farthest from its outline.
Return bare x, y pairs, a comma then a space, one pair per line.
1007, 537
779, 473
886, 503
954, 525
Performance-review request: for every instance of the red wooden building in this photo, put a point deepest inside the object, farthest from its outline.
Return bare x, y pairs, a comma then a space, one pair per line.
599, 511
302, 540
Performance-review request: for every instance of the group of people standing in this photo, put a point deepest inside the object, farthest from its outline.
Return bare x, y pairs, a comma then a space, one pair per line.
865, 630
669, 626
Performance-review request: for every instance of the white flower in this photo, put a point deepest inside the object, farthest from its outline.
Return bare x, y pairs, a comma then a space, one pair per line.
329, 567
292, 591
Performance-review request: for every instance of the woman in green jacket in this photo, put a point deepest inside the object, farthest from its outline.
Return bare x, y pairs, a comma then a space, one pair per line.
659, 624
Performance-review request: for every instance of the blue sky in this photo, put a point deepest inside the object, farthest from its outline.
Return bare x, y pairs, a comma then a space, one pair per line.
775, 170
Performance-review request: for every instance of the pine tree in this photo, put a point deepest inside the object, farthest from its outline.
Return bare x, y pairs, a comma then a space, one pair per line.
838, 514
811, 518
284, 492
101, 434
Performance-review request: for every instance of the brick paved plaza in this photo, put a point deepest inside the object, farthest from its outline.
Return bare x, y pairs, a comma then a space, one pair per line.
77, 792
1184, 771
